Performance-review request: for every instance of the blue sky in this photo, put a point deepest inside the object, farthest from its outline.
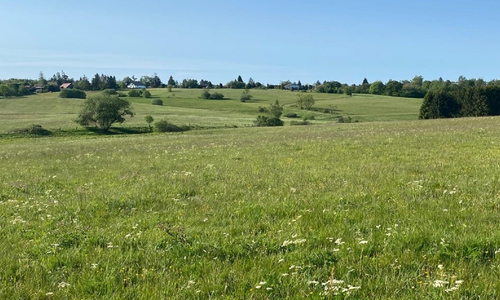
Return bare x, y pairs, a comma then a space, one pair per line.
270, 41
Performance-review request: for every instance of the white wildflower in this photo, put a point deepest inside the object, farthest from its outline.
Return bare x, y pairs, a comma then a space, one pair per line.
295, 242
333, 281
63, 284
453, 288
294, 267
439, 283
363, 242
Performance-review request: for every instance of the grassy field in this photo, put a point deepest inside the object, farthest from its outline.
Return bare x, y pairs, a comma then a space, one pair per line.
370, 210
184, 107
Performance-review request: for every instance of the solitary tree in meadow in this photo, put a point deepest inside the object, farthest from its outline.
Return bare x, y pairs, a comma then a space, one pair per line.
305, 101
103, 111
149, 119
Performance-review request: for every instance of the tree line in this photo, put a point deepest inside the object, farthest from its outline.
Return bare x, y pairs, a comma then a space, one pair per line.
462, 101
414, 88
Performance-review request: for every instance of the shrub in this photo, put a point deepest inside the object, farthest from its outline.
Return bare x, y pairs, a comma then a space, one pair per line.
291, 115
72, 93
109, 92
308, 117
32, 129
38, 130
276, 109
146, 94
135, 93
268, 121
263, 109
245, 96
341, 119
157, 102
216, 96
205, 94
53, 88
164, 126
293, 123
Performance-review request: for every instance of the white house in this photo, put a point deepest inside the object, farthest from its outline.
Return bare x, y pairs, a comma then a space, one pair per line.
292, 87
136, 85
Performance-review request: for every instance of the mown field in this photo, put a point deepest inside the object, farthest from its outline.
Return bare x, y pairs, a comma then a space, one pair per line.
184, 107
369, 210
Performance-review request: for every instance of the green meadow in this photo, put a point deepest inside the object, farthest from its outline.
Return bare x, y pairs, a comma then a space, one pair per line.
387, 208
184, 107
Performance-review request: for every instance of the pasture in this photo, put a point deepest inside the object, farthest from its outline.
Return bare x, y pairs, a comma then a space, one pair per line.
386, 210
184, 107
376, 209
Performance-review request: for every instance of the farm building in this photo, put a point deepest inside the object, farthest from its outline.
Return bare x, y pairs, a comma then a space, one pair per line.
66, 86
136, 85
292, 87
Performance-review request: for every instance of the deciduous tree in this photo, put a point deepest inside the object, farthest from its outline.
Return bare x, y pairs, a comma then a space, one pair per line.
377, 88
305, 101
103, 111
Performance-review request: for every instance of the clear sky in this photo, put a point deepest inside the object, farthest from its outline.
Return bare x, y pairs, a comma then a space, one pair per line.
268, 40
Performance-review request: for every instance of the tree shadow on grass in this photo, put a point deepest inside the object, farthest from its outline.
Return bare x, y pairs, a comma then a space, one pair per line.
118, 130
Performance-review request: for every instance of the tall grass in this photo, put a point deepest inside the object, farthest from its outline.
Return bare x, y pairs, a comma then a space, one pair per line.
387, 210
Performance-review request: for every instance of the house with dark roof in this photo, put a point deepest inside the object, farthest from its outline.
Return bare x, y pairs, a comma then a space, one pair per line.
292, 87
